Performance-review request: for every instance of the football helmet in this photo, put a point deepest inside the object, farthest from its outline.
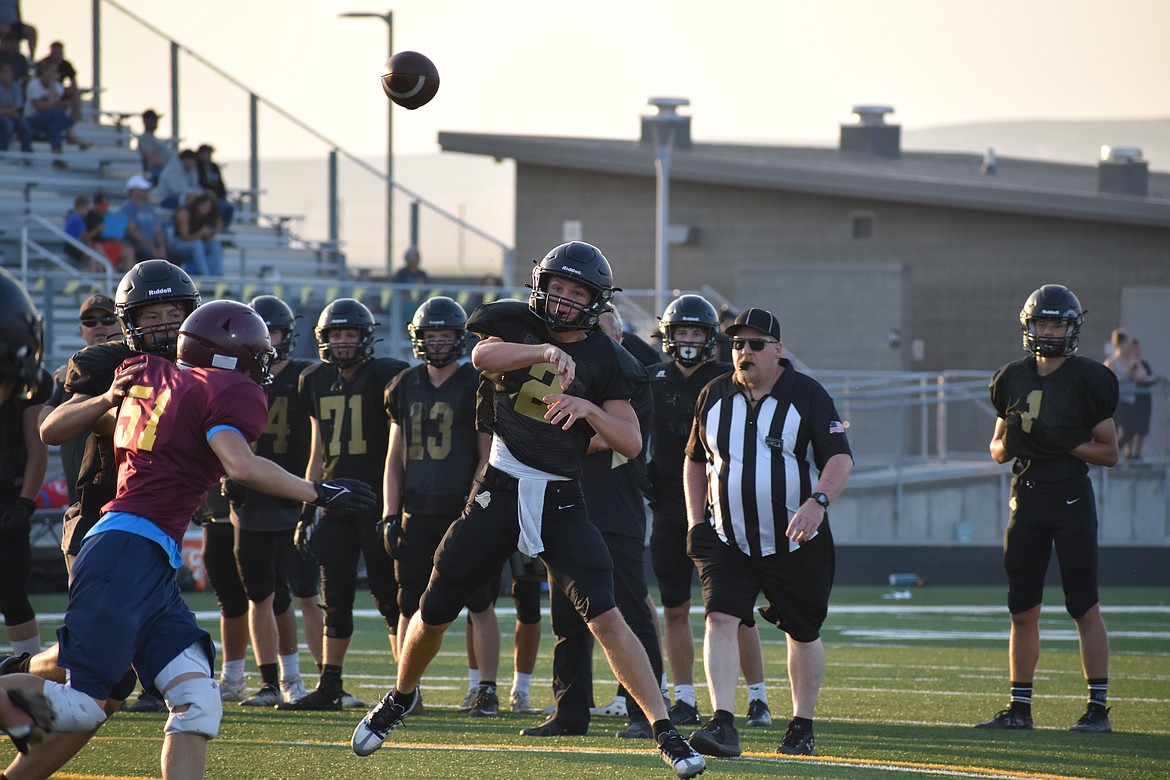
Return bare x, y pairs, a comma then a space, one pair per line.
21, 336
1051, 302
226, 334
153, 281
277, 315
582, 263
695, 311
346, 313
439, 313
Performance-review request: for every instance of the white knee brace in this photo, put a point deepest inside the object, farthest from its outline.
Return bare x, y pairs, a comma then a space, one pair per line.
204, 707
73, 710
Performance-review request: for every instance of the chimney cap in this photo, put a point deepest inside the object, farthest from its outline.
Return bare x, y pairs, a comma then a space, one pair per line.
667, 106
871, 114
1121, 153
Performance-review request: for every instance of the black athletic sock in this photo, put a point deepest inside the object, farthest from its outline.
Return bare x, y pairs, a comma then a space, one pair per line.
723, 716
270, 674
403, 699
1098, 692
803, 723
482, 683
330, 680
660, 727
1021, 701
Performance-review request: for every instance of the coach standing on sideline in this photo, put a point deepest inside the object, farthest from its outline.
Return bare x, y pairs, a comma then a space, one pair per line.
749, 458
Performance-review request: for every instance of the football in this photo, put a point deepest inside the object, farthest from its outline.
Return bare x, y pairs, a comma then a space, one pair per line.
411, 79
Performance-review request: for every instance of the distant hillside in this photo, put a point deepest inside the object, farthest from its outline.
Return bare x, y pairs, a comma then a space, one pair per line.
1070, 141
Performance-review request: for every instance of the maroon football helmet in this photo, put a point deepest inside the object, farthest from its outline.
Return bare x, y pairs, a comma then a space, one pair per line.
227, 334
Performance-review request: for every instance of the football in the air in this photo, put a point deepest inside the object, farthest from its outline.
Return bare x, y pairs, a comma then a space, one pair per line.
411, 79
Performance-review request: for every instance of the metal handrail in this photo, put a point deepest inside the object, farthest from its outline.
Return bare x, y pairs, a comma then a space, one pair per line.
54, 258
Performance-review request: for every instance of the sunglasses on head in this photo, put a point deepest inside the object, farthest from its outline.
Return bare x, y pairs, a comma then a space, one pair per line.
93, 322
757, 345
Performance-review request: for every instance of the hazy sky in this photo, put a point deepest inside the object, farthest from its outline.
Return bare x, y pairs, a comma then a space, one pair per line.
778, 71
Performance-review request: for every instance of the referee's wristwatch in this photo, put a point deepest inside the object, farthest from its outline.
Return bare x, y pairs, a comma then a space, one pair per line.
821, 499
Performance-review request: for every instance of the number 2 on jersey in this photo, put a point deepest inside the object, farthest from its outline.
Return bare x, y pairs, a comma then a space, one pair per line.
530, 399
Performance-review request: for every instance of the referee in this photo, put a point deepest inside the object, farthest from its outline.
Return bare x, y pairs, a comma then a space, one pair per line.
768, 452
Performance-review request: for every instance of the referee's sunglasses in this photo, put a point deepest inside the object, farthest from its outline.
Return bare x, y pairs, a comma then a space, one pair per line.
757, 345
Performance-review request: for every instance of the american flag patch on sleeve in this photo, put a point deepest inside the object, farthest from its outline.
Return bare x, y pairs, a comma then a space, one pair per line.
835, 426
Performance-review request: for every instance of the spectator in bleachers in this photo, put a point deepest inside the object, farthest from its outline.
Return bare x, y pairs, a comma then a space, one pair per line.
211, 180
66, 74
11, 24
12, 120
111, 241
47, 111
143, 224
178, 181
196, 225
83, 226
411, 273
154, 152
10, 53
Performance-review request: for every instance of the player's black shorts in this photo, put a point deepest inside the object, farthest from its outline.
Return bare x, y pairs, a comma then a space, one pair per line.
1047, 515
421, 535
673, 568
483, 537
262, 558
796, 584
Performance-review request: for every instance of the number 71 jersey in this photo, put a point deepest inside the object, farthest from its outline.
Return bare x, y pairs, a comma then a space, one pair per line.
165, 464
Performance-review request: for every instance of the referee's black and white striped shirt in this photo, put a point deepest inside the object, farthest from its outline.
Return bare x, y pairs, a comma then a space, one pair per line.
762, 463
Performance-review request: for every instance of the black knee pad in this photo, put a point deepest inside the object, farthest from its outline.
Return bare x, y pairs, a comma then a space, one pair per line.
16, 608
124, 687
338, 625
526, 596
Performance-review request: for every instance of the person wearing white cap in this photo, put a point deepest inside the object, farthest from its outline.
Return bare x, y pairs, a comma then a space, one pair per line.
143, 225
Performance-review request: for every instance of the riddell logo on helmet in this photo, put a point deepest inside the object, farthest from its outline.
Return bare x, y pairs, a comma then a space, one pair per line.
567, 269
160, 291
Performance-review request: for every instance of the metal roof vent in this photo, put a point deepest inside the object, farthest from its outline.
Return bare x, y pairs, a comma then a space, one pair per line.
869, 133
679, 124
1123, 171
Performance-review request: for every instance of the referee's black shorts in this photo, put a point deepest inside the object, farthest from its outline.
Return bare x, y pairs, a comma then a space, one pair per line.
795, 584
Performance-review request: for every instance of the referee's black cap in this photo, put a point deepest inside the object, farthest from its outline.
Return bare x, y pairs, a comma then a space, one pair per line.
757, 319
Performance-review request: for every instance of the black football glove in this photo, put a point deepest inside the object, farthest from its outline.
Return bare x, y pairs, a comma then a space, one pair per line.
351, 494
393, 539
15, 519
233, 491
305, 530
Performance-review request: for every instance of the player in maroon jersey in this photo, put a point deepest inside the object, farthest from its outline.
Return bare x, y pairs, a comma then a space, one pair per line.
176, 433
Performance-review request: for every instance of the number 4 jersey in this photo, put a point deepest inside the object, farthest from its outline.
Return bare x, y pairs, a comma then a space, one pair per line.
512, 404
165, 463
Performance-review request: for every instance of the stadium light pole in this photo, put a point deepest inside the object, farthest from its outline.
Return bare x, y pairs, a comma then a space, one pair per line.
662, 131
388, 18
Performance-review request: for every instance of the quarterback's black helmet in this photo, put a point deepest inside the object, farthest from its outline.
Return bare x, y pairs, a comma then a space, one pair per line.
21, 336
1051, 302
439, 313
277, 315
153, 281
582, 263
695, 311
346, 313
227, 334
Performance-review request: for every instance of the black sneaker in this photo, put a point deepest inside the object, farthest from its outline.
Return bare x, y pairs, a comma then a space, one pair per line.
679, 755
267, 696
550, 728
639, 729
1007, 719
798, 741
11, 663
1095, 720
372, 730
486, 703
717, 738
683, 714
147, 702
316, 700
758, 714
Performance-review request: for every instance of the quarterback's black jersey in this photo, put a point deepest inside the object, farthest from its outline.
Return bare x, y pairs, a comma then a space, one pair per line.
438, 431
1057, 411
355, 431
287, 438
13, 450
613, 483
91, 372
674, 412
512, 402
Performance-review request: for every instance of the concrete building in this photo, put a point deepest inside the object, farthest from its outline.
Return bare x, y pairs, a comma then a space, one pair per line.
873, 257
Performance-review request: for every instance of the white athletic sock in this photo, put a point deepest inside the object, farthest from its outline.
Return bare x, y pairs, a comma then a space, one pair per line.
290, 666
233, 670
472, 679
521, 682
32, 646
756, 691
685, 693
